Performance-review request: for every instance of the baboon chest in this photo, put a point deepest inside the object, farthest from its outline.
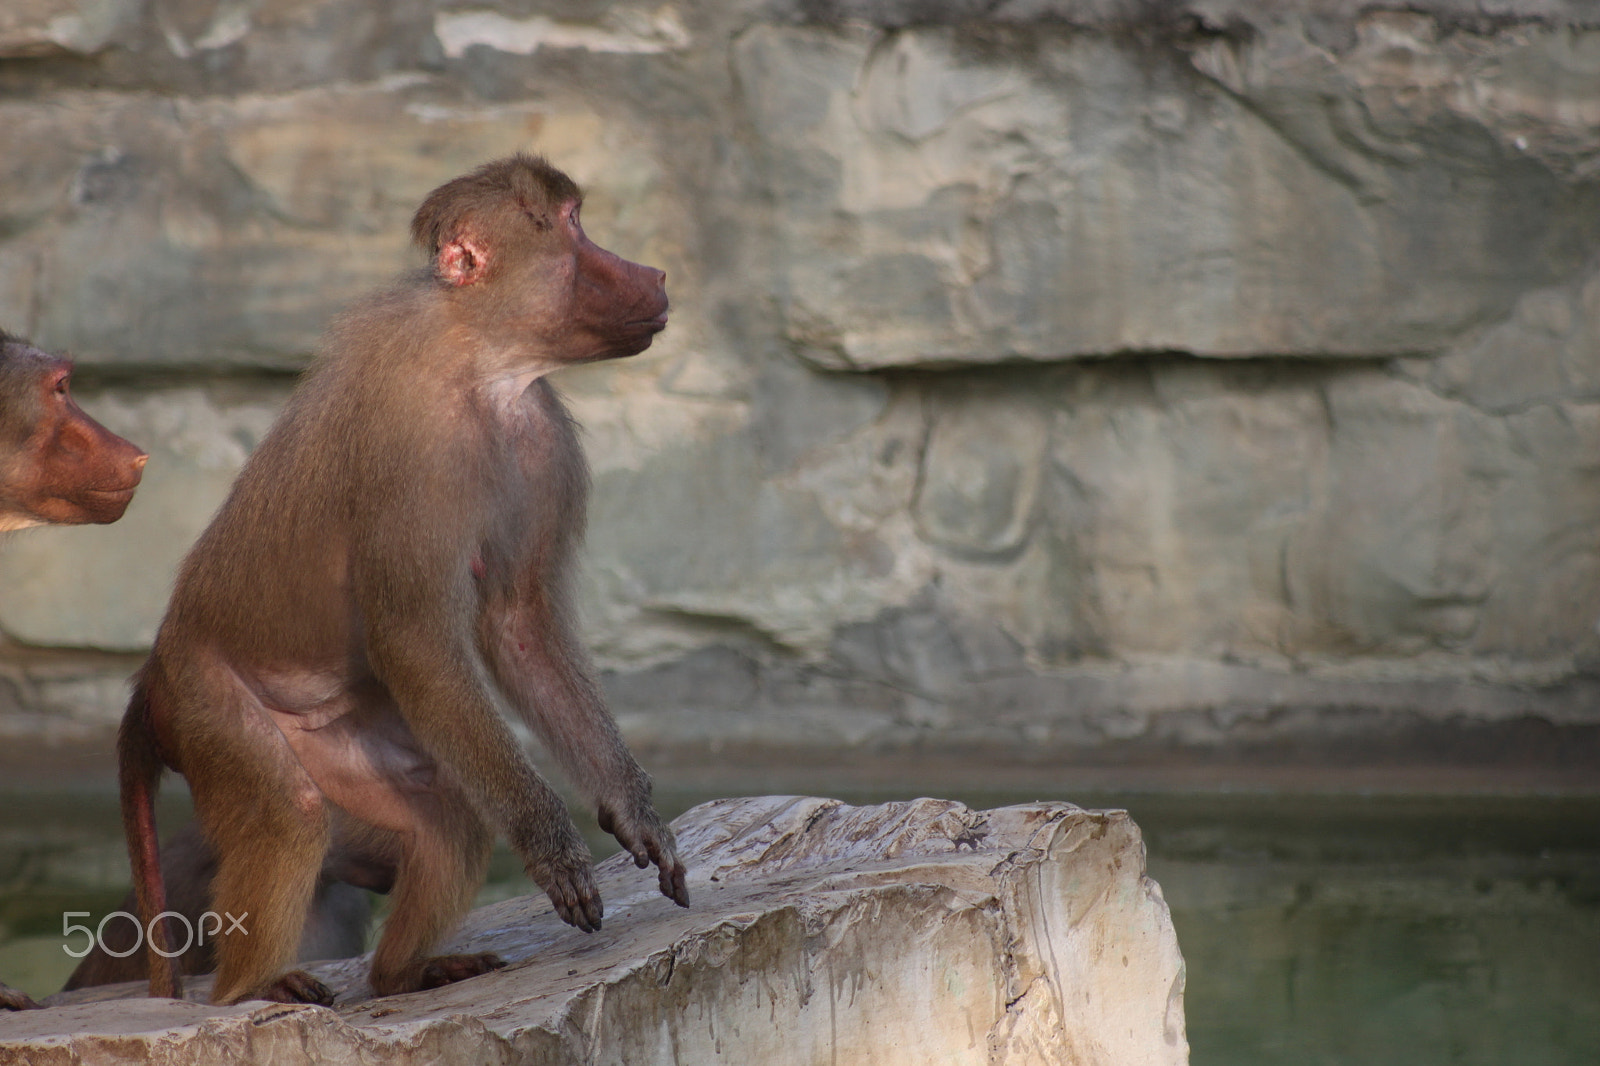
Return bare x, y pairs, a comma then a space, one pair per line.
540, 499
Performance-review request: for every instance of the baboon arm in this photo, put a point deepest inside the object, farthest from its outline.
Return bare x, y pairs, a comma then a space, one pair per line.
443, 692
551, 686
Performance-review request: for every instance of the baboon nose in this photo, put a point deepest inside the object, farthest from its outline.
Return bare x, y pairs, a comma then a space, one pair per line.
138, 464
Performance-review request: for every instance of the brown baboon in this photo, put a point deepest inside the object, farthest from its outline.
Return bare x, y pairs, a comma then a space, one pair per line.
391, 570
335, 929
57, 466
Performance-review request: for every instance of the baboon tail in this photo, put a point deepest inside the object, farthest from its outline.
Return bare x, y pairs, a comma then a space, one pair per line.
139, 768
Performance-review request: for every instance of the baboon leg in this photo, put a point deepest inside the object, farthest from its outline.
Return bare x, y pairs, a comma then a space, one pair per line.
443, 860
268, 825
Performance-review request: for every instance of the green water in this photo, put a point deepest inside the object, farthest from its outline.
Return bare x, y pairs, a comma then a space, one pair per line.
1349, 930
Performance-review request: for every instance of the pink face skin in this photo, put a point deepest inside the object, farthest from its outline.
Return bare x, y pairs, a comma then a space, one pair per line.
624, 303
58, 466
564, 290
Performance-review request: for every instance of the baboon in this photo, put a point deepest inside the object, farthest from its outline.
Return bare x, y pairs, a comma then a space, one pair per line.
57, 466
335, 929
391, 570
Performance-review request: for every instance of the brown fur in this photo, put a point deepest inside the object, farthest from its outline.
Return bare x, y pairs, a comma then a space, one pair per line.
390, 572
335, 929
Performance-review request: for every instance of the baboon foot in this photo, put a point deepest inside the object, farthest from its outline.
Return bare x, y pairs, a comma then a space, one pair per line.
15, 999
448, 969
297, 986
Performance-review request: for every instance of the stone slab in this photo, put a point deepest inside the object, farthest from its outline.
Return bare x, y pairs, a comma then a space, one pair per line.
911, 932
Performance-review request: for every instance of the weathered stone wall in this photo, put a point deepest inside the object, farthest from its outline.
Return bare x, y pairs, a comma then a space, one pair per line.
1053, 375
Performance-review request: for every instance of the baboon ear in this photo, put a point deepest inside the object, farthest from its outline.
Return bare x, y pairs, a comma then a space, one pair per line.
462, 261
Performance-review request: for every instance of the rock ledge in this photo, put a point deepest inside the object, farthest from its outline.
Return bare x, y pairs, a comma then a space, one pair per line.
910, 932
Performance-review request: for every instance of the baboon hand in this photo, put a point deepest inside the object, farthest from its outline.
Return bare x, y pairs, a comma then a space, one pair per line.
643, 835
569, 882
